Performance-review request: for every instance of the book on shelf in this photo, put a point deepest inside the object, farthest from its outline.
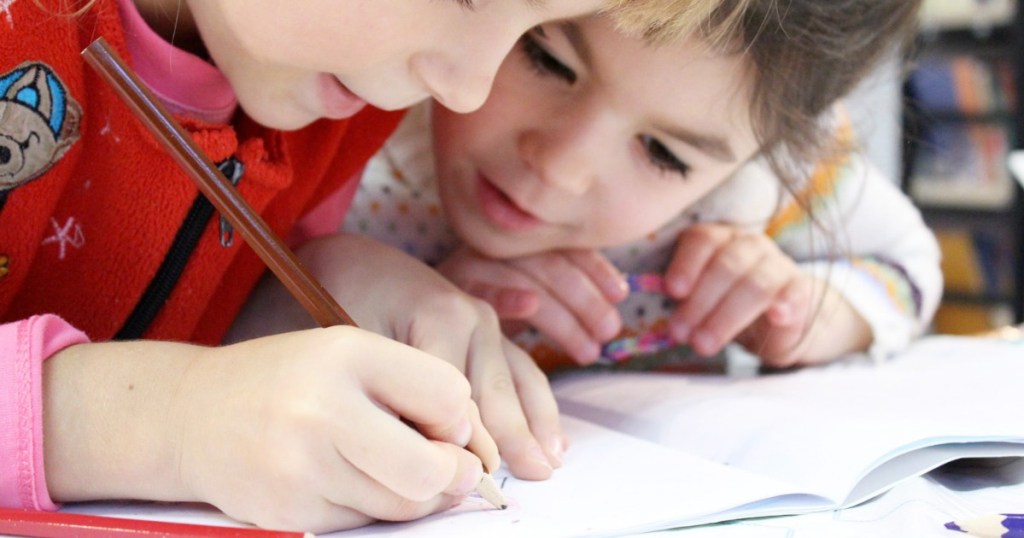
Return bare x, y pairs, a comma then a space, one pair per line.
962, 165
955, 317
963, 84
966, 14
655, 451
975, 260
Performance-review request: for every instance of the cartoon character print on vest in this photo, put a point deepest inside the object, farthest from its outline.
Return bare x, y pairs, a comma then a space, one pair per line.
39, 122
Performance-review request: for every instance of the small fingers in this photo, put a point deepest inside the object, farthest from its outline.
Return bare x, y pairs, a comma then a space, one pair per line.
394, 454
538, 403
572, 286
696, 247
356, 499
503, 414
482, 444
399, 386
602, 273
744, 302
508, 302
562, 328
722, 272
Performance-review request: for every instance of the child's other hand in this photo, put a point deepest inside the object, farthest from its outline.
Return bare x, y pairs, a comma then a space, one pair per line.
569, 296
391, 293
294, 431
737, 285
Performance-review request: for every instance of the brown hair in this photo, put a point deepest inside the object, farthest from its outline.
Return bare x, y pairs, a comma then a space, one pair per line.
805, 55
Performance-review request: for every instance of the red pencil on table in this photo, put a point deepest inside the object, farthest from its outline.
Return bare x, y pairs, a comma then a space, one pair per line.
67, 525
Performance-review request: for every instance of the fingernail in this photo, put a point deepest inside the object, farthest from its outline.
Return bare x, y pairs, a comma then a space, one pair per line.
703, 343
621, 288
680, 331
556, 449
608, 327
463, 433
781, 313
588, 353
677, 287
537, 454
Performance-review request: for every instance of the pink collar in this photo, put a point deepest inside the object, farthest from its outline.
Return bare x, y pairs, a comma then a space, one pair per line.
184, 82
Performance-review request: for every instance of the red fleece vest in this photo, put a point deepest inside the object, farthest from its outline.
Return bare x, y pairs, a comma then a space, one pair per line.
92, 203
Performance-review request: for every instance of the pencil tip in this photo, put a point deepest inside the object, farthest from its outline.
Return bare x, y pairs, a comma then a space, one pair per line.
490, 491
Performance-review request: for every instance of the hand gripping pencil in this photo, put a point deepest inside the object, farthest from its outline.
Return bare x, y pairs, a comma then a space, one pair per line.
223, 195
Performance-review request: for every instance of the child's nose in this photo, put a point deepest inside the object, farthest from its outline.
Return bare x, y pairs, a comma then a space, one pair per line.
460, 82
559, 161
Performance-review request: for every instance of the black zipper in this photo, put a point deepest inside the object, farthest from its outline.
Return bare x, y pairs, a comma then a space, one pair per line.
167, 276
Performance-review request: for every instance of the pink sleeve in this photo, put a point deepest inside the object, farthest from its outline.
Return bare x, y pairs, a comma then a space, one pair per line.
325, 218
24, 345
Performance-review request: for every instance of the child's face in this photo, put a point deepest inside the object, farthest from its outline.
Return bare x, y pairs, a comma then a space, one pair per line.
293, 62
591, 139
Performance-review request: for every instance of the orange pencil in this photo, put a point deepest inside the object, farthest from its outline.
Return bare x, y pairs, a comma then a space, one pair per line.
67, 525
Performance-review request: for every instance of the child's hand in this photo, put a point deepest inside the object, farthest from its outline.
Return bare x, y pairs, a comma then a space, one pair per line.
391, 293
295, 431
736, 285
569, 295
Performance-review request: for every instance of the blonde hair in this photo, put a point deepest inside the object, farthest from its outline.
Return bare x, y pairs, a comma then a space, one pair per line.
655, 20
662, 21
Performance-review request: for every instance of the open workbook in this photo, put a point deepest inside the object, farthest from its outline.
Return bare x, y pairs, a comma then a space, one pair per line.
654, 451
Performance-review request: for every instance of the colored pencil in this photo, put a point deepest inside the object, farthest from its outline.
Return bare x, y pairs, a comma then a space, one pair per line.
68, 525
623, 348
646, 282
225, 197
991, 526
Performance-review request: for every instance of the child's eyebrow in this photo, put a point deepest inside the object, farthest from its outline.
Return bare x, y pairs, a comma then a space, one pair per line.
576, 40
714, 146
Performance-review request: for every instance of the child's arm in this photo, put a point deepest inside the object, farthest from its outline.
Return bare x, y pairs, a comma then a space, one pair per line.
295, 431
876, 252
570, 296
393, 294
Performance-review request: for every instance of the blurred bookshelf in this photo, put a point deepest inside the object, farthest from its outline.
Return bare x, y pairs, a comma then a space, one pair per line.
962, 119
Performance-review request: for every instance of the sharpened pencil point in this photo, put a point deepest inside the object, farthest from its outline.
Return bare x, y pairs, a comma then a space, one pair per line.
489, 490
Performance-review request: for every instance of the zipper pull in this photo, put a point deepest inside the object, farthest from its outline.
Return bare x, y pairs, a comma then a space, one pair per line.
232, 169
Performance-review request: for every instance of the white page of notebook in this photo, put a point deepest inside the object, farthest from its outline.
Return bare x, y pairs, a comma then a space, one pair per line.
821, 429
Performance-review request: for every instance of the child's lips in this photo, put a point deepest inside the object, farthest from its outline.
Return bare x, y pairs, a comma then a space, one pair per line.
501, 210
337, 100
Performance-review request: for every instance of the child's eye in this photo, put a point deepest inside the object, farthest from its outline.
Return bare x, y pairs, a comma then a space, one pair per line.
467, 4
662, 158
543, 62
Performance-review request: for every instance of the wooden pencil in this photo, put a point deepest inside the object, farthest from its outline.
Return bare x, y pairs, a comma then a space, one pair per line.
488, 489
212, 183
